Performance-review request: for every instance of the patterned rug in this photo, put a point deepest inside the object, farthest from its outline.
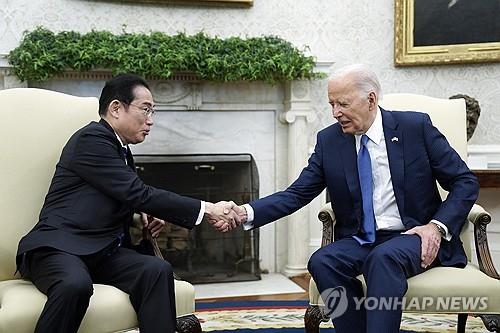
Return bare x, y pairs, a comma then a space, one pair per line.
288, 316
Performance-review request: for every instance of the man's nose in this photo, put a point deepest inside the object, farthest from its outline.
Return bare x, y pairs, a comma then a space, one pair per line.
336, 112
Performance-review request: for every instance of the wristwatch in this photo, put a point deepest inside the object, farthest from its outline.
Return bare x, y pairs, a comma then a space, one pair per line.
440, 229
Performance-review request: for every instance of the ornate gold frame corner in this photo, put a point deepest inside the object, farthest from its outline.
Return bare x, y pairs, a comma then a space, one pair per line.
406, 54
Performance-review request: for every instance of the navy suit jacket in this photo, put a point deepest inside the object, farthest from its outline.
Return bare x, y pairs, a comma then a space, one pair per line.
94, 194
419, 157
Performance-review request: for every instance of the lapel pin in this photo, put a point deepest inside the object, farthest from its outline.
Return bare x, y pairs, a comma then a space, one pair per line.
395, 139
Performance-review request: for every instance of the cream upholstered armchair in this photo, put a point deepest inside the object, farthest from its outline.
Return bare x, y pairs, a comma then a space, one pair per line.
477, 281
36, 124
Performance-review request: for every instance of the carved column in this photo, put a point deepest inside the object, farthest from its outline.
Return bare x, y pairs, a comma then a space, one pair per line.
297, 114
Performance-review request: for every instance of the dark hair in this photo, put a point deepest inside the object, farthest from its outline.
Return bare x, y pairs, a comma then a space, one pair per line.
121, 88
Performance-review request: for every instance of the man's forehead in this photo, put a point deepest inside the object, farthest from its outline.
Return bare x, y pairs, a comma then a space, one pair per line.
142, 94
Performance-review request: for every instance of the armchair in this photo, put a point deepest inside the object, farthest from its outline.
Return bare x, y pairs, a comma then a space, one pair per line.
480, 280
36, 125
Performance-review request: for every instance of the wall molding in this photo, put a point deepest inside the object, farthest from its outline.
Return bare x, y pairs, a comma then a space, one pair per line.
488, 155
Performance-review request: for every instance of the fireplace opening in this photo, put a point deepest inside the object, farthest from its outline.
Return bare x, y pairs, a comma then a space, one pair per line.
204, 255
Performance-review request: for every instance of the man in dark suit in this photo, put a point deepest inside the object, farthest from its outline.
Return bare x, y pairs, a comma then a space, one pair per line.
380, 168
81, 235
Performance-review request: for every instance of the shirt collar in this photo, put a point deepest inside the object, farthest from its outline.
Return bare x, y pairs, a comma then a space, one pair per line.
109, 127
376, 131
120, 140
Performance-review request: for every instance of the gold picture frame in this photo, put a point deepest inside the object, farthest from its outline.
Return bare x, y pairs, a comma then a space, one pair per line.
231, 3
441, 50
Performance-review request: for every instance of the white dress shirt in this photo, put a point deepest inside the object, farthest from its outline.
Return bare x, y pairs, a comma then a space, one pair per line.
384, 201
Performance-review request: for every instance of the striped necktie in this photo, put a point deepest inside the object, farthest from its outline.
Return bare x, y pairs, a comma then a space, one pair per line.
367, 235
125, 152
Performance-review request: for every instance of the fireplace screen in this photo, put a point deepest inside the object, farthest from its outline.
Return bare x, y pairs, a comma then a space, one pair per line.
203, 254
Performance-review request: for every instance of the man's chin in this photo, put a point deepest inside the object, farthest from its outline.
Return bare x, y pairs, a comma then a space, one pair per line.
347, 130
139, 139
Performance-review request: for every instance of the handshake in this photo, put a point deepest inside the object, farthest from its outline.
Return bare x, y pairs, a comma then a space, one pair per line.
224, 215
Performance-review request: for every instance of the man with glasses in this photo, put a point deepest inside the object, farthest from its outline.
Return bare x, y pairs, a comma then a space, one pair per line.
82, 234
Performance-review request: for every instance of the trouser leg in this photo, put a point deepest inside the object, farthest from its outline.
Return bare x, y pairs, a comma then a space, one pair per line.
334, 269
386, 270
65, 279
149, 282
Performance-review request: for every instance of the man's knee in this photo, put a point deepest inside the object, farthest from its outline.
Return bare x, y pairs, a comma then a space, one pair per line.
381, 261
316, 262
157, 267
379, 255
322, 260
73, 287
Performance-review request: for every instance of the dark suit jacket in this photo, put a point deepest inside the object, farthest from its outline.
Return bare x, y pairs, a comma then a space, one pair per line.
94, 193
419, 157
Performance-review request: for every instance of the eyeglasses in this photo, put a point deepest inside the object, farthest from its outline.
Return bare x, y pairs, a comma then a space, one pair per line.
146, 110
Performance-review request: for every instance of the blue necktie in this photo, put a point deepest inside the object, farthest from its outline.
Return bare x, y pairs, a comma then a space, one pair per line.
125, 151
365, 181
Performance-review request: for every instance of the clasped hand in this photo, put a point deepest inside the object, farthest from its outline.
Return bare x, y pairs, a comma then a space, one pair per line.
224, 215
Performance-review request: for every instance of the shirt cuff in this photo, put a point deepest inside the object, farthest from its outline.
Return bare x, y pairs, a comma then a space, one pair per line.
250, 216
201, 214
442, 225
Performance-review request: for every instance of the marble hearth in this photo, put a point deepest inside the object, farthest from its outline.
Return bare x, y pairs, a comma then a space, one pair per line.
267, 121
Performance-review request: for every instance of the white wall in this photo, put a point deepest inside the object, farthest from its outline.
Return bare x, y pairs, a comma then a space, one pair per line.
339, 31
335, 30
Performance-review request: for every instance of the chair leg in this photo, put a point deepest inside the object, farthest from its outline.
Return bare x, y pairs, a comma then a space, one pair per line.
462, 321
491, 322
312, 318
188, 324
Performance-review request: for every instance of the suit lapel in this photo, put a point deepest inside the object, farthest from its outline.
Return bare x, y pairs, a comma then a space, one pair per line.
129, 157
347, 150
394, 141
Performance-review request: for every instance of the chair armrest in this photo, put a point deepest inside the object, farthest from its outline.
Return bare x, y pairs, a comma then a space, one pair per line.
480, 218
327, 217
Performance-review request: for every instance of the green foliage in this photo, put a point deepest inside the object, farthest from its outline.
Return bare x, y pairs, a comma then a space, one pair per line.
43, 54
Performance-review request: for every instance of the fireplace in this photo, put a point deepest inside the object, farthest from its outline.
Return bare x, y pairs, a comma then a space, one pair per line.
203, 254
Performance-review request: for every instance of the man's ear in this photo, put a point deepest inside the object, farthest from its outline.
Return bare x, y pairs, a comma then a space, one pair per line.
372, 99
114, 108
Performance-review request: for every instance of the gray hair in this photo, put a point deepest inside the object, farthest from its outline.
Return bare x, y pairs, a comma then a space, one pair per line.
365, 79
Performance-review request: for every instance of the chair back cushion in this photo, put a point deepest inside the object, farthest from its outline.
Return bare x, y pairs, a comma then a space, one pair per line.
449, 116
36, 125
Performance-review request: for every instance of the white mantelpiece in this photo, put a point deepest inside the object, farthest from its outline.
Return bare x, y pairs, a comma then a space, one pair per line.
268, 121
297, 115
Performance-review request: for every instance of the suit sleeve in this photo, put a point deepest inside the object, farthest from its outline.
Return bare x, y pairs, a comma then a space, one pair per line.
97, 161
308, 185
453, 175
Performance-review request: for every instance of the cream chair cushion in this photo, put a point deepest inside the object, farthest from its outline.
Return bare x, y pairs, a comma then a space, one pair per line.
109, 311
445, 283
